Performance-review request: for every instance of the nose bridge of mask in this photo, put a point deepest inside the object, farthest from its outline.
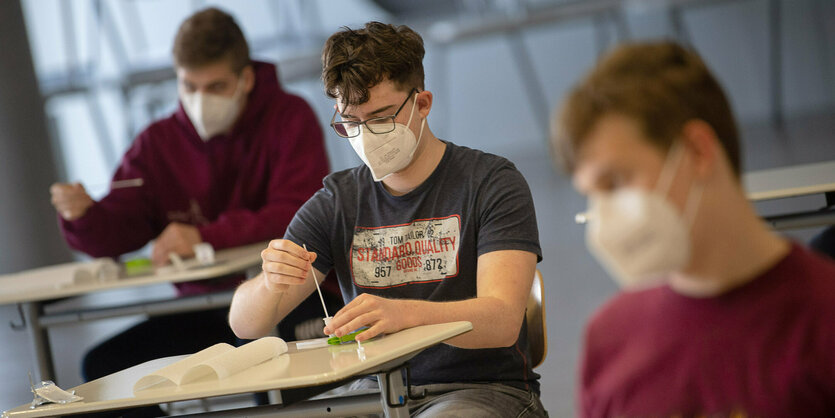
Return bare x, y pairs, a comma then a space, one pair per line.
202, 96
364, 127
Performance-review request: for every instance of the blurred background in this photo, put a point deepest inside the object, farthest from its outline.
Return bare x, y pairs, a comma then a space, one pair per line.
81, 78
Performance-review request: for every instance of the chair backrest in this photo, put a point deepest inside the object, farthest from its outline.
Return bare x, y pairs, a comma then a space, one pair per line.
535, 319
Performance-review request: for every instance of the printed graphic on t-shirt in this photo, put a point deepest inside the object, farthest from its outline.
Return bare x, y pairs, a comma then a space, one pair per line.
424, 250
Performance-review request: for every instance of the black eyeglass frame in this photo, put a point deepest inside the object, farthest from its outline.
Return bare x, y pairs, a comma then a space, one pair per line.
334, 122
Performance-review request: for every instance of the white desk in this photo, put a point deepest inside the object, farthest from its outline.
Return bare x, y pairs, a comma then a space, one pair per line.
385, 356
29, 297
800, 180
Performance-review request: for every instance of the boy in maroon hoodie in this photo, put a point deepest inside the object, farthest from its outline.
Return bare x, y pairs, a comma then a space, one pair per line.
230, 167
719, 317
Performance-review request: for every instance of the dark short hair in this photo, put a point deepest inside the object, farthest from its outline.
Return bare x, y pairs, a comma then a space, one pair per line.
661, 85
210, 36
354, 60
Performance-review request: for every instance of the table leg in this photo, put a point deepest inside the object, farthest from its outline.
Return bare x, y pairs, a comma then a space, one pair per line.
393, 394
39, 340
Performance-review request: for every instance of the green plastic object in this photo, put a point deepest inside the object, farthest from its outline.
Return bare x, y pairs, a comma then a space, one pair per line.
345, 338
138, 267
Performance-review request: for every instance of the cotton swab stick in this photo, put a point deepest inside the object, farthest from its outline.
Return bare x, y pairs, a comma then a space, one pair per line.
118, 184
316, 280
177, 261
121, 184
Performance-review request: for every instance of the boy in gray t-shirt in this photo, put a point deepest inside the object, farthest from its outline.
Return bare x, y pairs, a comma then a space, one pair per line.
424, 232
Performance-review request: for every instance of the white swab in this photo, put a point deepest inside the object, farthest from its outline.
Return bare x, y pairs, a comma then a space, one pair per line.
177, 261
316, 280
100, 188
121, 184
360, 351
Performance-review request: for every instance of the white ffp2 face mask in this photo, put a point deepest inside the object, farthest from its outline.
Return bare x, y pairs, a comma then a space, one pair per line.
639, 236
212, 114
388, 153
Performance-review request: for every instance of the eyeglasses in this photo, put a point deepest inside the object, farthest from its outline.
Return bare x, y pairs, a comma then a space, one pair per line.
378, 125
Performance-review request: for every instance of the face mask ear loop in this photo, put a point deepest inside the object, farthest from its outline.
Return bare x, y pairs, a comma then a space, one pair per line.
668, 173
420, 135
412, 113
694, 198
422, 124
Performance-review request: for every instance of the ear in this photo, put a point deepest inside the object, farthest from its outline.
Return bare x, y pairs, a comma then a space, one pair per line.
701, 141
248, 74
424, 103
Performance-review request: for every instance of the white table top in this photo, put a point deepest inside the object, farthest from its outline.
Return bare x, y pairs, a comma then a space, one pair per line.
228, 261
307, 367
790, 181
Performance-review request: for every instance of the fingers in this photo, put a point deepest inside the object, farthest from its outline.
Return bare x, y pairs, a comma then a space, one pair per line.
367, 319
159, 254
70, 200
285, 263
55, 188
65, 191
167, 242
284, 269
365, 310
274, 262
376, 323
289, 247
371, 332
175, 239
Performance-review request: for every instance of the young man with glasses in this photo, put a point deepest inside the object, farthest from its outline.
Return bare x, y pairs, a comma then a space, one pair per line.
423, 232
720, 317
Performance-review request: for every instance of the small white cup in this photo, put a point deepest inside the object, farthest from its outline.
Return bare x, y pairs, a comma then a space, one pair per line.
204, 253
327, 323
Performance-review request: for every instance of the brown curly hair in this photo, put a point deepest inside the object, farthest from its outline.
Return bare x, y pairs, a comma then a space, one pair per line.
354, 60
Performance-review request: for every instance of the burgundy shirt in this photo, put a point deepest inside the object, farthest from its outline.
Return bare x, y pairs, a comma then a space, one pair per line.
765, 349
237, 188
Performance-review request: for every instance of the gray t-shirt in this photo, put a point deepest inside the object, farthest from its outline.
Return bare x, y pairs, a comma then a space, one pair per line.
425, 245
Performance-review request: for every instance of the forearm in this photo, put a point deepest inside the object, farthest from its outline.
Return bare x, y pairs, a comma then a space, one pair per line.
495, 322
256, 310
496, 313
105, 233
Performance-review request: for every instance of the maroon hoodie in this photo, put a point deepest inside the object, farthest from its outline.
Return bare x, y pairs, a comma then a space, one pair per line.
238, 188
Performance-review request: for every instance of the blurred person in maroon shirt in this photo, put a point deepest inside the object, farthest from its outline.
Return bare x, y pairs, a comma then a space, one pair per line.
718, 315
230, 167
